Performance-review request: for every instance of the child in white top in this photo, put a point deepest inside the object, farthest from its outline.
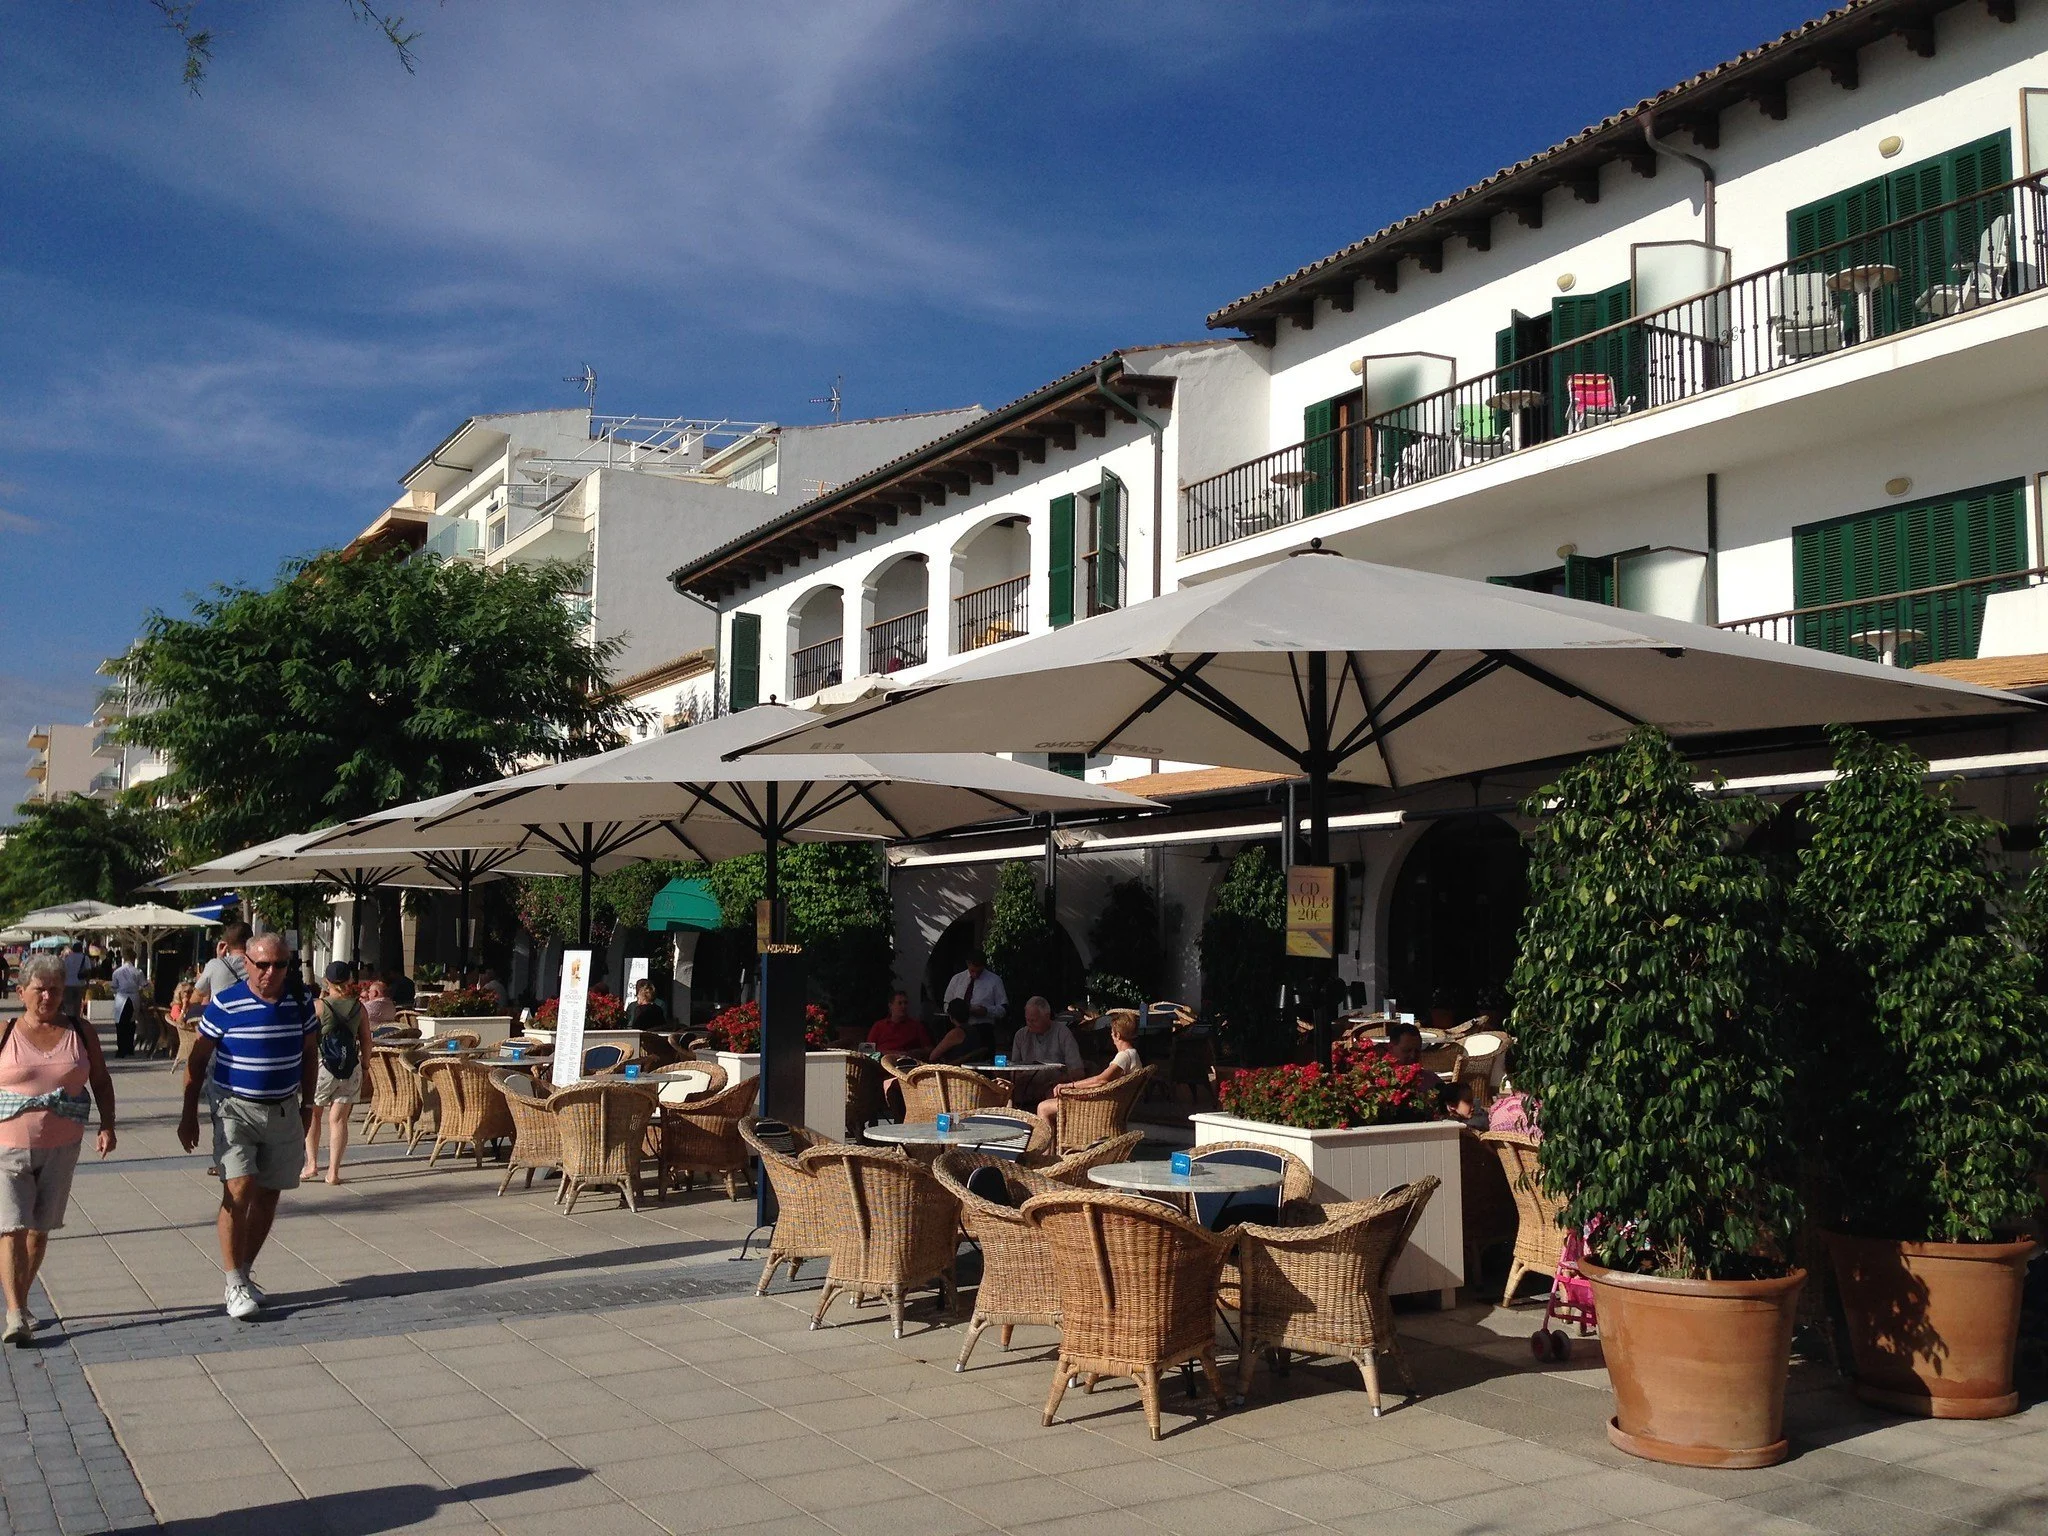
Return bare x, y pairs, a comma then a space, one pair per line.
1123, 1029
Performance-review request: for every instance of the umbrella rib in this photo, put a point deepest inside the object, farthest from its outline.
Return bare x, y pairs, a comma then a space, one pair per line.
1370, 723
1478, 671
825, 805
1409, 677
1308, 726
1230, 711
489, 803
1176, 680
867, 793
1552, 681
675, 830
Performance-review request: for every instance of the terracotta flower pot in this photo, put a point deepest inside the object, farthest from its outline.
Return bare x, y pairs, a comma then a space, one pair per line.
1933, 1326
1698, 1366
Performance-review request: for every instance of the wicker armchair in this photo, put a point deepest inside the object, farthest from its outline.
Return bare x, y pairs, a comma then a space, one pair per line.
929, 1092
1137, 1290
1539, 1228
1446, 1060
1487, 1204
604, 1134
1220, 1212
601, 1058
1017, 1283
536, 1136
461, 1039
800, 1231
397, 1097
471, 1108
1037, 1149
1322, 1289
703, 1136
1089, 1115
188, 1037
684, 1082
1073, 1168
893, 1228
865, 1103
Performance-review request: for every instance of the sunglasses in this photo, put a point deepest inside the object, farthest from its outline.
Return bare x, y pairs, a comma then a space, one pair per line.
269, 965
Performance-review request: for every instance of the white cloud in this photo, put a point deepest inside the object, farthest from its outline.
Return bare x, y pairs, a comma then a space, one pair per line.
16, 522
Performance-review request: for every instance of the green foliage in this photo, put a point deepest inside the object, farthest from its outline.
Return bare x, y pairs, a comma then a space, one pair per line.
1930, 1023
549, 906
77, 849
1023, 947
1367, 1087
1649, 1017
1128, 959
354, 684
1244, 959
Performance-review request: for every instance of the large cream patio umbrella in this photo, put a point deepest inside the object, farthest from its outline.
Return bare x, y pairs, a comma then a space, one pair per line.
62, 918
148, 922
360, 872
689, 795
1342, 670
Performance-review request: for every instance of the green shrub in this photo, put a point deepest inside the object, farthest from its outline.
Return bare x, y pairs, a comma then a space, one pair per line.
1244, 960
1649, 1001
1928, 1026
1128, 963
1023, 946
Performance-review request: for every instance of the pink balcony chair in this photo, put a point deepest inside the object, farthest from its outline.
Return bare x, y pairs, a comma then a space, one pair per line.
1593, 400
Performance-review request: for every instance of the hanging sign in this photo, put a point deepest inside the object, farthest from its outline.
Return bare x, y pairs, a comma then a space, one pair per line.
1312, 911
569, 1017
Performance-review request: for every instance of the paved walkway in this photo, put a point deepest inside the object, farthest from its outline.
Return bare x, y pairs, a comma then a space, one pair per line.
439, 1356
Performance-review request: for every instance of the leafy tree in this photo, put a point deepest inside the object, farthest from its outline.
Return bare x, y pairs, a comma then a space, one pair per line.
354, 684
1129, 960
1024, 948
1649, 1002
1244, 959
181, 18
1932, 1023
77, 849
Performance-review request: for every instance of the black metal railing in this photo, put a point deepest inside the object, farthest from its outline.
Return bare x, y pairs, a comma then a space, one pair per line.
1965, 255
897, 643
812, 667
1935, 623
1102, 580
992, 614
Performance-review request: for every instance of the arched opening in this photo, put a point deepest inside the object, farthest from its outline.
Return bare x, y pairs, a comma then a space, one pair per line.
815, 661
1456, 917
897, 635
968, 935
992, 585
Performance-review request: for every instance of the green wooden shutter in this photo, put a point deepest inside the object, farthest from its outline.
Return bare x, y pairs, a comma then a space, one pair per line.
1109, 544
1589, 578
1073, 764
1319, 457
744, 685
1619, 354
1971, 171
1059, 593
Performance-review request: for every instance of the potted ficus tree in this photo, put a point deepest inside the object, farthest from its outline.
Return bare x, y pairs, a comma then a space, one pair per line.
1647, 997
1930, 1037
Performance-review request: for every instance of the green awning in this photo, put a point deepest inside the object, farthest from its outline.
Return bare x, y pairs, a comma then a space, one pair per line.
685, 904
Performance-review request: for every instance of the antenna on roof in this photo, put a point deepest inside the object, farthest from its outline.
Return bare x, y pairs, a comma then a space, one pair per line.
587, 382
831, 398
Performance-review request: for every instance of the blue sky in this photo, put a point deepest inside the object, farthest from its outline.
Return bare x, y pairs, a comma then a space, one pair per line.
228, 324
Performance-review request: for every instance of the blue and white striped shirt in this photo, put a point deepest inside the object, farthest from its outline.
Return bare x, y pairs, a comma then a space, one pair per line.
259, 1047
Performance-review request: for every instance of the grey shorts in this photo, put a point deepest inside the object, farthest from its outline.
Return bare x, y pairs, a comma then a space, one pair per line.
260, 1140
35, 1186
338, 1090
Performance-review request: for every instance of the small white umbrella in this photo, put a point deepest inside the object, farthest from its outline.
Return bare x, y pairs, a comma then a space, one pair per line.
60, 919
147, 922
15, 936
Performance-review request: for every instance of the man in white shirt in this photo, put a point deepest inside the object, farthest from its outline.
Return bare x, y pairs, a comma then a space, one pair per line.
987, 1003
1046, 1041
127, 1005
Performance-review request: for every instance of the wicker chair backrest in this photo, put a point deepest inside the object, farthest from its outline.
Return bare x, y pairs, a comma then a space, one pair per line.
1137, 1280
930, 1092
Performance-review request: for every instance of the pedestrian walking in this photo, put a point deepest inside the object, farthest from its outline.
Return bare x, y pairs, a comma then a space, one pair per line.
229, 963
76, 962
342, 1030
255, 1061
48, 1060
127, 981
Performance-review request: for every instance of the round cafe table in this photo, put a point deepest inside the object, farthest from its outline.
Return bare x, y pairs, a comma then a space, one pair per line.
926, 1133
1205, 1178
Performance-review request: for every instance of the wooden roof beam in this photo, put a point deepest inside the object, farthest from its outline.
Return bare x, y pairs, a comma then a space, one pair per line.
1004, 459
1301, 314
1585, 185
1061, 433
1705, 130
1029, 445
1642, 161
1341, 296
955, 480
1918, 35
1430, 256
2000, 10
1476, 233
1261, 330
1528, 211
1842, 68
1769, 96
1385, 275
979, 470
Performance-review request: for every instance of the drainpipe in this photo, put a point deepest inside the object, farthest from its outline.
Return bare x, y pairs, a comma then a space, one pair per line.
1158, 466
1706, 171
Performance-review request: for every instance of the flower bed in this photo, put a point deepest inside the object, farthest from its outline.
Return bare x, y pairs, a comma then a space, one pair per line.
600, 1011
1364, 1088
470, 1003
739, 1028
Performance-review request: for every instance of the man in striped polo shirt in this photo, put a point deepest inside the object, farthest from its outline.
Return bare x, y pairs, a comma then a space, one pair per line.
256, 1060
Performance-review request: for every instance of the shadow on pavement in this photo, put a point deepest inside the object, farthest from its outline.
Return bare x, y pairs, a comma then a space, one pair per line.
367, 1511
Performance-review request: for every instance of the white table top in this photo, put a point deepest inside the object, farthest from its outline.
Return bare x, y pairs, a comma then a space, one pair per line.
1208, 1178
926, 1133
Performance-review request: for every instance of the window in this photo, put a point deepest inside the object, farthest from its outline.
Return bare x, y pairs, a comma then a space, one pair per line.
1085, 563
1852, 567
755, 475
744, 686
1589, 578
1925, 253
1073, 764
1574, 397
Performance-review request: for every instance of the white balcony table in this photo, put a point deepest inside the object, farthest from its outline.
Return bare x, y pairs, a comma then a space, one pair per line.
1864, 281
1887, 641
1514, 402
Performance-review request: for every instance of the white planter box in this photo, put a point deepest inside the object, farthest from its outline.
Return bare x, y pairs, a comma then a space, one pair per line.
824, 1085
1363, 1164
99, 1010
487, 1031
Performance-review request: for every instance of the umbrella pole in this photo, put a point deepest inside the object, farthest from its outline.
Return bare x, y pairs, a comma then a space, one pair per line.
1317, 761
583, 893
779, 995
357, 890
462, 921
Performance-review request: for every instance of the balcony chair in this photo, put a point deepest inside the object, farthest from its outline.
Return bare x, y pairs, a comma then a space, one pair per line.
703, 1136
1482, 434
1806, 316
604, 1137
1594, 400
472, 1110
800, 1231
1985, 280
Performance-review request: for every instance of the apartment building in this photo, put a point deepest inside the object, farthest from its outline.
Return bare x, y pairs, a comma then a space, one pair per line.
1767, 350
60, 761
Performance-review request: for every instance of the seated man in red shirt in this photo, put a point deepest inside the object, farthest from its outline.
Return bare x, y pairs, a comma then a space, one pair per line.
900, 1034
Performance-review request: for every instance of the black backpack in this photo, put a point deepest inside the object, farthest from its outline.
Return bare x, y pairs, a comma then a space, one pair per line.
340, 1050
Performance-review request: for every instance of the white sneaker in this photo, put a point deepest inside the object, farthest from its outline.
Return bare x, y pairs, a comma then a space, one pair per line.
241, 1301
262, 1296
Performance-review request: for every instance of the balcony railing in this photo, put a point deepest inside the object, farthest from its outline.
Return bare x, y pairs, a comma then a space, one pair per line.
1965, 255
455, 541
106, 742
897, 643
1102, 579
813, 667
992, 614
1904, 629
106, 782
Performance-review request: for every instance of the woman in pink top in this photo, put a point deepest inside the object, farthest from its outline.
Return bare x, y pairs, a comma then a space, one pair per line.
47, 1061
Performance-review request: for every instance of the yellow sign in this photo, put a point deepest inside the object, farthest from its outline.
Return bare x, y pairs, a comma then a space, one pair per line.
1312, 911
764, 923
